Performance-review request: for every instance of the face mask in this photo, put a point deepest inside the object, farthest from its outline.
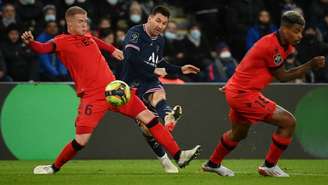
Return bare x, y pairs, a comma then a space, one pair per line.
112, 2
170, 35
50, 18
7, 21
195, 34
135, 18
69, 2
225, 54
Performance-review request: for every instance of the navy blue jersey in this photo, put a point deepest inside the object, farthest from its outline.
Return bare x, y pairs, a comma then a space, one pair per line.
142, 54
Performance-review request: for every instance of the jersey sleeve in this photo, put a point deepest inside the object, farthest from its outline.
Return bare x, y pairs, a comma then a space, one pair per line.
133, 40
59, 42
272, 56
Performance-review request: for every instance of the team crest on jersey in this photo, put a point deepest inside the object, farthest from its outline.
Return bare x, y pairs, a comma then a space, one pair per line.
134, 37
277, 59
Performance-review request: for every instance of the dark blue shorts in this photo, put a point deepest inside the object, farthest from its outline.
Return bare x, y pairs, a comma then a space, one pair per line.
147, 88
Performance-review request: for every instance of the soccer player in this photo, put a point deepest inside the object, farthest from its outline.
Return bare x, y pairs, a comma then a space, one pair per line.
263, 62
144, 63
80, 53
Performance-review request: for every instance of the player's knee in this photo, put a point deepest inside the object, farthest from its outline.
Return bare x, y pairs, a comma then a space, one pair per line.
145, 116
238, 136
82, 140
290, 120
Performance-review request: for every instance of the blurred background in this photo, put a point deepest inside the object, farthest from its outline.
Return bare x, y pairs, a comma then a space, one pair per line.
212, 35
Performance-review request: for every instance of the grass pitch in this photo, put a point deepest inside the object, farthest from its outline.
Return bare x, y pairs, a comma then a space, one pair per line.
149, 172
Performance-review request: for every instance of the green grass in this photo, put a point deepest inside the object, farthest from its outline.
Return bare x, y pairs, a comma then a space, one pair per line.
149, 172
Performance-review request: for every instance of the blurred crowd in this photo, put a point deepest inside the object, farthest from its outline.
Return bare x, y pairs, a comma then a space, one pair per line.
212, 35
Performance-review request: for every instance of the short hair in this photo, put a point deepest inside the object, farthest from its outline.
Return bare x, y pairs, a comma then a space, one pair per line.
162, 10
73, 11
290, 18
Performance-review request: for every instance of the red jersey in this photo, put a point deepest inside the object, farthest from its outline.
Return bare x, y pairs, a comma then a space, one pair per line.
253, 73
83, 59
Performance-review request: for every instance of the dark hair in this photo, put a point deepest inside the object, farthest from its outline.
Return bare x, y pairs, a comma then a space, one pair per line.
73, 11
105, 32
290, 18
162, 10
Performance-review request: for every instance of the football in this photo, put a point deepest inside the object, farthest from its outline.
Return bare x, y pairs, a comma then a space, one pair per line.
117, 93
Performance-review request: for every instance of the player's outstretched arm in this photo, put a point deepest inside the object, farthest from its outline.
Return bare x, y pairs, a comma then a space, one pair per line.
116, 53
284, 75
189, 69
38, 47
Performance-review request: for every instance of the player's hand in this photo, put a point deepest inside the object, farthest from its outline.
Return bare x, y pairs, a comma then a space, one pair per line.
222, 89
189, 69
27, 37
318, 62
118, 54
160, 72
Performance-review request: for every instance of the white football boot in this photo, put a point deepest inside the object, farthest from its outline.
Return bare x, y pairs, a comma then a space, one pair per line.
43, 169
168, 166
188, 155
274, 171
222, 170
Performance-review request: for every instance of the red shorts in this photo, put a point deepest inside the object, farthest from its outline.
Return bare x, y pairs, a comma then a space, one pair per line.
250, 107
93, 107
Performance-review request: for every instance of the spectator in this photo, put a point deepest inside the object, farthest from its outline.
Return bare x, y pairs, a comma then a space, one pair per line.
317, 11
323, 26
3, 70
22, 64
173, 49
51, 68
8, 17
197, 52
135, 14
309, 47
110, 8
119, 38
108, 36
30, 11
239, 16
261, 28
225, 64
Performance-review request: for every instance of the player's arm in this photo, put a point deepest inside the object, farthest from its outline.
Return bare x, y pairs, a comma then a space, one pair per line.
38, 47
116, 53
284, 75
177, 70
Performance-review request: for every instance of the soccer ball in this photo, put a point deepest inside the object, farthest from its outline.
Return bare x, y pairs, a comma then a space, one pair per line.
117, 93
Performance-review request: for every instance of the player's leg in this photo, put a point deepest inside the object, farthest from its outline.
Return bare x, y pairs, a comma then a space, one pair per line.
164, 159
160, 153
137, 110
170, 116
164, 138
90, 113
281, 138
228, 142
67, 153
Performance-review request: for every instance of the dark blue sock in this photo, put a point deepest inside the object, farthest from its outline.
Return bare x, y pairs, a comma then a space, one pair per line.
162, 108
156, 147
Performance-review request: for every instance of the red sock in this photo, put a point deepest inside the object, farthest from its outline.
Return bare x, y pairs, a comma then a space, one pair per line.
222, 149
163, 137
277, 147
69, 151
